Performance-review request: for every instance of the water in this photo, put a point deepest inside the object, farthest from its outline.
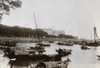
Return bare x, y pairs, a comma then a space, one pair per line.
79, 58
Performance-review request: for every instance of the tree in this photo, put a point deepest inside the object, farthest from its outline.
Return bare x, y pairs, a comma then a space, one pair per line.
17, 31
65, 36
6, 5
62, 36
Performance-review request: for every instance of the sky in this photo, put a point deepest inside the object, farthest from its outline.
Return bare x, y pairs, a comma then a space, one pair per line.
75, 17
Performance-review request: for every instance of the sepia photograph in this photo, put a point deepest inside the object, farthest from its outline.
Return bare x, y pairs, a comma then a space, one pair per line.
49, 33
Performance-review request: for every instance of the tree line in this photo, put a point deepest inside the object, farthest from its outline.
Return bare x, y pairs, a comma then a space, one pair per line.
16, 31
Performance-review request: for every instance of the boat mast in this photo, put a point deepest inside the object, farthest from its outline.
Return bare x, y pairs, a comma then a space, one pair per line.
36, 28
95, 35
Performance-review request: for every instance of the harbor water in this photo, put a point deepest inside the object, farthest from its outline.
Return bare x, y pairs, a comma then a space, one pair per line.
79, 58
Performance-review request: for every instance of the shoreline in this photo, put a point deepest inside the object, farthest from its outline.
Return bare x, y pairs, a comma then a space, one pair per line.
21, 39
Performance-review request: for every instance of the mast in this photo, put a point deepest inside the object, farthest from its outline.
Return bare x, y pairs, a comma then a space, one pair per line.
95, 34
36, 28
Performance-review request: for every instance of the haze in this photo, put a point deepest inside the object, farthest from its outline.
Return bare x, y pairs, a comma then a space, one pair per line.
76, 17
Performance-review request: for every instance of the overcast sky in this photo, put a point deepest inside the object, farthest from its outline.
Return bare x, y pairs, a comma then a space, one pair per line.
76, 17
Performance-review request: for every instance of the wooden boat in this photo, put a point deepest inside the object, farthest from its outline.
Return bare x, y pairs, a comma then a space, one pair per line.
7, 44
61, 43
98, 57
22, 52
43, 44
85, 47
92, 43
51, 41
69, 44
63, 52
10, 43
2, 42
65, 43
51, 63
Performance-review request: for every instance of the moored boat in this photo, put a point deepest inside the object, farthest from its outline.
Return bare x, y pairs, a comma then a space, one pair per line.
98, 57
85, 47
63, 52
39, 63
43, 44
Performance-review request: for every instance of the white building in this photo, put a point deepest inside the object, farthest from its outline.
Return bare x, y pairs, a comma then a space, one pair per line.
54, 32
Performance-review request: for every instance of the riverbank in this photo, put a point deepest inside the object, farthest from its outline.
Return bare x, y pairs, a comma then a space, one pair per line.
21, 39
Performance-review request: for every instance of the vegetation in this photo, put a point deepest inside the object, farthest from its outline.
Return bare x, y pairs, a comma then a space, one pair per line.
17, 31
6, 5
65, 36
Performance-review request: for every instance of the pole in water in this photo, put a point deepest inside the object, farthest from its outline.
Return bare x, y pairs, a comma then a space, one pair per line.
36, 28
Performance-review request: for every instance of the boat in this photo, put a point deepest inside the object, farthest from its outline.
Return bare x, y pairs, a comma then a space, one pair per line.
38, 37
85, 47
10, 43
69, 44
7, 44
38, 64
61, 43
51, 41
53, 64
65, 43
96, 41
98, 57
63, 52
43, 44
91, 43
2, 42
22, 51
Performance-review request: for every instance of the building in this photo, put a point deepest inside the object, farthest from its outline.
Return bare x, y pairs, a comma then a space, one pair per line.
54, 32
